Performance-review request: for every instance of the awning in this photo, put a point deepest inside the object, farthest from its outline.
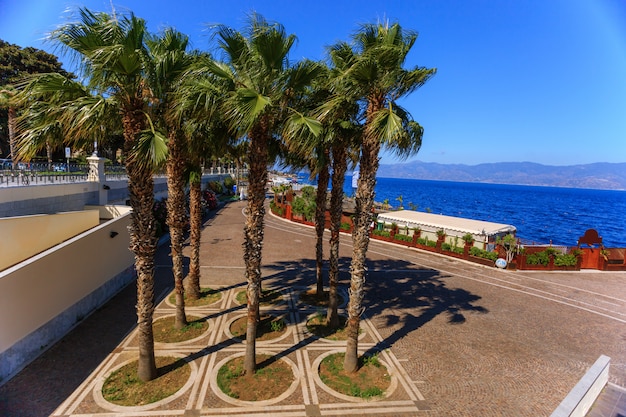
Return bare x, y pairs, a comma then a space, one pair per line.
429, 221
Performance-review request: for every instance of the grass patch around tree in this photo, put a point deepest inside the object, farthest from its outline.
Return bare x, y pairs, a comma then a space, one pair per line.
317, 326
271, 378
165, 332
269, 327
268, 297
123, 387
310, 298
207, 296
369, 381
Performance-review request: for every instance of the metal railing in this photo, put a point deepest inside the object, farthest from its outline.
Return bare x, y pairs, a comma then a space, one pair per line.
60, 173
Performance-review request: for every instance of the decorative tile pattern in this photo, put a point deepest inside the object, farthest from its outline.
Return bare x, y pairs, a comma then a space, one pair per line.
307, 395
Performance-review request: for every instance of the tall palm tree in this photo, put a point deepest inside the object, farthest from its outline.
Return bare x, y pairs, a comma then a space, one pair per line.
197, 102
117, 67
313, 152
171, 63
377, 79
340, 114
263, 88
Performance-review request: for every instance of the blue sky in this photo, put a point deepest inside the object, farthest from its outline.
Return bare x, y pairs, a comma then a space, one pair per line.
517, 80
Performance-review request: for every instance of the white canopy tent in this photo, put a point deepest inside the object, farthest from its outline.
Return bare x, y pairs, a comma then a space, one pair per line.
482, 231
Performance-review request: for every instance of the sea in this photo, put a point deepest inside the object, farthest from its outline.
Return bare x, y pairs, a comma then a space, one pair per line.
542, 215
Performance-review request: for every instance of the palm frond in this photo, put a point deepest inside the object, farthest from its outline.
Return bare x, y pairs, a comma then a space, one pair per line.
150, 151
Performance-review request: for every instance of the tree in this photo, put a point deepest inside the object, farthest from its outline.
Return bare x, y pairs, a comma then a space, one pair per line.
401, 200
340, 115
117, 68
171, 63
377, 80
17, 63
313, 152
263, 89
198, 102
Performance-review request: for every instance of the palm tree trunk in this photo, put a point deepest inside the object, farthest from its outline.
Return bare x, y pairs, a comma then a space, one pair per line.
336, 210
177, 220
320, 217
364, 200
49, 154
253, 235
143, 243
195, 208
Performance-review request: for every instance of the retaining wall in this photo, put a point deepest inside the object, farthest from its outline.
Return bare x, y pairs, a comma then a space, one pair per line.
49, 293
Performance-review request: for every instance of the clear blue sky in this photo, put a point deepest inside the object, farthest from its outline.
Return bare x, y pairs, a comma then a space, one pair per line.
517, 80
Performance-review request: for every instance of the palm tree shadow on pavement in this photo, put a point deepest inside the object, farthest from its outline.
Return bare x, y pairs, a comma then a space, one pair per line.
407, 298
398, 294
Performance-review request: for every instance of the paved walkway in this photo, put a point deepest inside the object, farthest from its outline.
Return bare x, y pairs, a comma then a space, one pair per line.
460, 339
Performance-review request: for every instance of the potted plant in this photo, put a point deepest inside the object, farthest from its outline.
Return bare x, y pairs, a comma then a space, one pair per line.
394, 229
441, 237
416, 234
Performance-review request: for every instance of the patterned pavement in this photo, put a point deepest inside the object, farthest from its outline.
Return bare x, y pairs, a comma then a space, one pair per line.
459, 339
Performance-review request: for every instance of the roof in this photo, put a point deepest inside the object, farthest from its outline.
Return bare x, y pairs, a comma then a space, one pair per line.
448, 223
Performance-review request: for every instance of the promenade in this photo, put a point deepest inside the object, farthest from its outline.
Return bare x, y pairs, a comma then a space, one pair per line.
460, 339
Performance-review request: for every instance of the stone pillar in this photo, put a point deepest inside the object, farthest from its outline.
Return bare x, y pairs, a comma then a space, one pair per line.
96, 174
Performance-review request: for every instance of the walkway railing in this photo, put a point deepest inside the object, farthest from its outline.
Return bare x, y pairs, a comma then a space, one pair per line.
42, 174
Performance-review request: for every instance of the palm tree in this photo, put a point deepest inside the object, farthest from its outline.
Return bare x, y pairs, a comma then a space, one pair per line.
377, 79
340, 115
313, 152
171, 63
263, 87
198, 102
117, 66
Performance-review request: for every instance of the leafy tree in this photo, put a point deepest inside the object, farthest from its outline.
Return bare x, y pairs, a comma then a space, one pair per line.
17, 63
510, 245
377, 80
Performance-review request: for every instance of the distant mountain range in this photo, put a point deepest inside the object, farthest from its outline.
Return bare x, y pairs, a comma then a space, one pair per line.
601, 175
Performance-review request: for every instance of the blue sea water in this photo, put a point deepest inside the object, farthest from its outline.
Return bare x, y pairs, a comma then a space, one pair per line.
540, 214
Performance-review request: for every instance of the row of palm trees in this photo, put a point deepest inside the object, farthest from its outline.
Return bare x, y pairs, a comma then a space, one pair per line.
177, 106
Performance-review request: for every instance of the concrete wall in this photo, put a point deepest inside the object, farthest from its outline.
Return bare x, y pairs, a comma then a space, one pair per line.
46, 295
47, 199
43, 297
26, 236
55, 198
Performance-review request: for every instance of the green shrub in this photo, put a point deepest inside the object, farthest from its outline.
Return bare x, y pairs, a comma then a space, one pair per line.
565, 260
446, 246
382, 233
345, 226
538, 258
308, 192
480, 253
229, 182
404, 238
215, 186
276, 209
